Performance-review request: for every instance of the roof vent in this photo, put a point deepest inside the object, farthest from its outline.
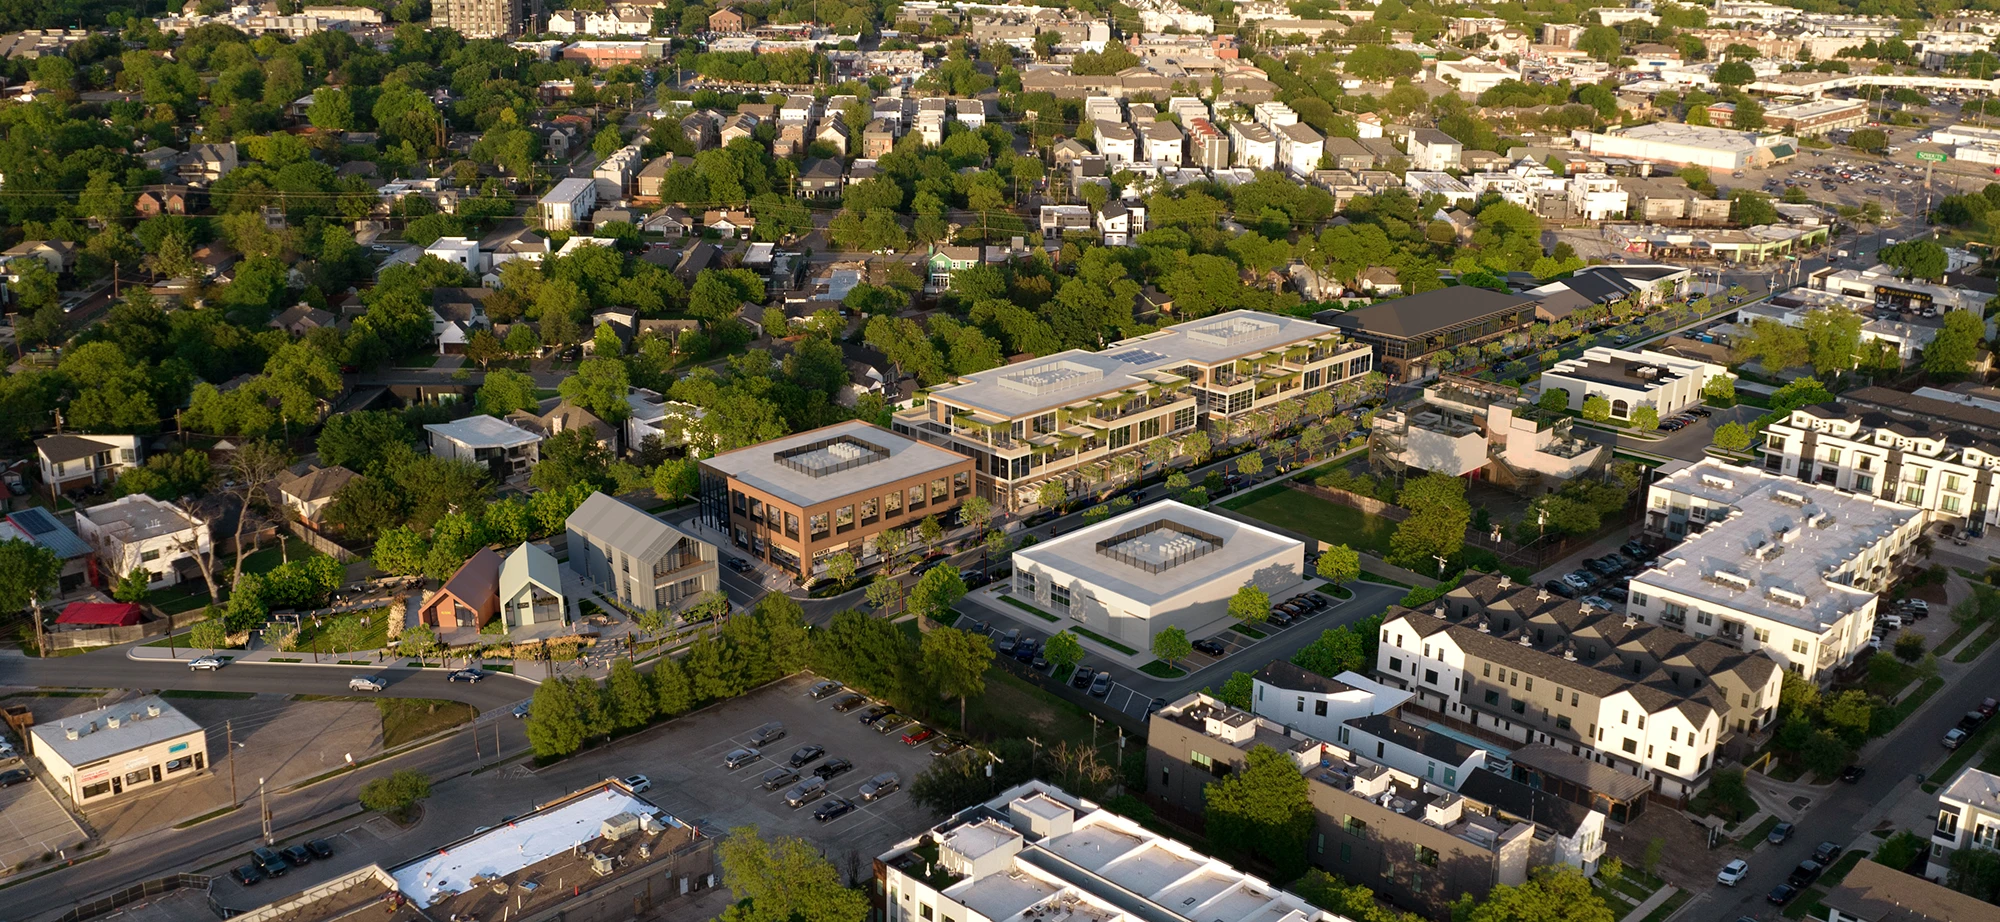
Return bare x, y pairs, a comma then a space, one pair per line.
111, 721
1569, 652
1484, 627
1506, 582
1524, 639
1631, 621
1541, 595
70, 733
1787, 596
1714, 481
1820, 520
1727, 578
152, 710
1583, 608
1790, 498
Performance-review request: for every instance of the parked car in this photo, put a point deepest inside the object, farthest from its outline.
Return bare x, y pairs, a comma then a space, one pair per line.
1953, 737
805, 792
1281, 618
210, 663
639, 784
1989, 706
297, 855
737, 758
876, 713
1780, 833
1211, 646
1852, 773
14, 776
1733, 873
269, 861
1561, 588
823, 689
1580, 580
367, 683
918, 736
1025, 650
833, 768
1005, 644
880, 786
779, 777
1082, 676
1807, 872
738, 564
1782, 893
1101, 685
893, 723
1636, 549
1826, 852
247, 875
767, 734
947, 745
805, 755
469, 676
321, 848
849, 703
521, 710
833, 810
1615, 594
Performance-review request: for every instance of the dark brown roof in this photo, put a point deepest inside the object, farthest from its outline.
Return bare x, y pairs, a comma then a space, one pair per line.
1875, 893
318, 483
60, 448
1419, 314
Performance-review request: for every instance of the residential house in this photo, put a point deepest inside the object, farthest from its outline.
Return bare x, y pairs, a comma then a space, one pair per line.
671, 421
138, 532
725, 19
568, 204
1058, 219
164, 199
1299, 148
638, 559
455, 314
1120, 223
820, 179
308, 494
207, 163
1163, 142
1314, 704
557, 415
1874, 893
58, 255
459, 251
699, 129
71, 460
1117, 143
300, 319
740, 125
507, 450
1968, 817
729, 223
877, 139
531, 597
1433, 150
1254, 145
470, 598
945, 260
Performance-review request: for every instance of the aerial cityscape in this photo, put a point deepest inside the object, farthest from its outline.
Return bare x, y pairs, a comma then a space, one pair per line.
1042, 461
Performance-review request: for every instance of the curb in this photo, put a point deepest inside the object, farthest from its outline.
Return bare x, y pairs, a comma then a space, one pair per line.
130, 654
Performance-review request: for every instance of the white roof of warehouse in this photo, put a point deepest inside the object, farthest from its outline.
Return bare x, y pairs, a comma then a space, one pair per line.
1076, 554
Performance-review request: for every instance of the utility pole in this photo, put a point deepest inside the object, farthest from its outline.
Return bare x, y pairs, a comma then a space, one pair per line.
229, 735
264, 807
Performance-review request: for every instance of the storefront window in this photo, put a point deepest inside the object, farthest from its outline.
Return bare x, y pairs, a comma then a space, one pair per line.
96, 790
868, 509
819, 526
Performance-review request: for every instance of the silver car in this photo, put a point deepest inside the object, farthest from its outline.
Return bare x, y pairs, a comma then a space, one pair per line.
806, 792
880, 786
367, 683
737, 758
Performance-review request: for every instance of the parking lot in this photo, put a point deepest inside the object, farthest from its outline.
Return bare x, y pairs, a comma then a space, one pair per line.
32, 822
685, 764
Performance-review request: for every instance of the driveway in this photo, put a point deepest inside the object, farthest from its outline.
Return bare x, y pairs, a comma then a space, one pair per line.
1687, 444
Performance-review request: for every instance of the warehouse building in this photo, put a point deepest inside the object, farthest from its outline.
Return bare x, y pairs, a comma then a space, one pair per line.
1690, 145
1817, 117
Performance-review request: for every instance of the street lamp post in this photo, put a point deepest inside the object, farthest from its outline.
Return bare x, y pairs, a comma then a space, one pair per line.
264, 807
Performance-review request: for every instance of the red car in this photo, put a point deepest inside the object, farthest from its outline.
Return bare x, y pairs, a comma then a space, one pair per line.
918, 735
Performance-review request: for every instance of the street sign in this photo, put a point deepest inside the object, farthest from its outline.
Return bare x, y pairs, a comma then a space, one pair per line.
1927, 155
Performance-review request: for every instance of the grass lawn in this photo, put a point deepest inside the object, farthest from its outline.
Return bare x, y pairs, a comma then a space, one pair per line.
1977, 646
1100, 638
1965, 752
1337, 592
1247, 631
419, 360
1012, 707
1661, 912
1030, 609
185, 597
1162, 670
1886, 718
375, 638
406, 719
1842, 865
1754, 836
1328, 521
269, 559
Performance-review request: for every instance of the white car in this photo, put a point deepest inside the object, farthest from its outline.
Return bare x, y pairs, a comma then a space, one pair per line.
1733, 873
367, 683
210, 663
639, 784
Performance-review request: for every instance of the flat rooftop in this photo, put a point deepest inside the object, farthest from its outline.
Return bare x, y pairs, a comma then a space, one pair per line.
1619, 372
1419, 314
1975, 787
1155, 553
484, 432
1815, 108
1781, 539
138, 517
1052, 381
141, 722
1722, 139
830, 462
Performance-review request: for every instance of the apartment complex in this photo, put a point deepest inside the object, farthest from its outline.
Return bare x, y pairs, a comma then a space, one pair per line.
639, 559
1771, 565
1937, 455
1468, 426
1413, 841
1038, 852
798, 500
1968, 817
1648, 701
1079, 418
486, 18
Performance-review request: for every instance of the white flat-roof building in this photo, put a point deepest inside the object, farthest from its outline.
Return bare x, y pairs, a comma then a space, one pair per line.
1771, 564
1689, 145
1881, 285
1039, 852
1968, 817
1473, 75
507, 449
459, 251
568, 203
1424, 182
1316, 705
120, 748
139, 532
1163, 565
1926, 450
1632, 379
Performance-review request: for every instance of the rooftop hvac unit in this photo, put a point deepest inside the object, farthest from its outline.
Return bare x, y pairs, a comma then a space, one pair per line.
1788, 597
1787, 496
1714, 481
1731, 579
603, 865
618, 826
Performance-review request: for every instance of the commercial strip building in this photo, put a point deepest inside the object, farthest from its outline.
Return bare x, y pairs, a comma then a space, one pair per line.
1412, 840
636, 558
1630, 379
798, 500
1081, 418
1940, 456
1690, 145
1743, 246
1465, 426
1407, 332
1618, 691
1881, 285
1039, 852
1771, 564
1817, 117
1159, 566
114, 750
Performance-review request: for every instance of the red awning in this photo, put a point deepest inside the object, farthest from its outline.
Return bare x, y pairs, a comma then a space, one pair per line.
102, 614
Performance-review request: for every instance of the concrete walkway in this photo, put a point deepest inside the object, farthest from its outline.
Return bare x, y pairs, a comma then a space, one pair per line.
1652, 902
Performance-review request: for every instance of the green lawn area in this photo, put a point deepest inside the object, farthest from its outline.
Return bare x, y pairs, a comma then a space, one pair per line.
1012, 707
1977, 646
375, 638
1247, 631
1754, 836
1162, 670
1667, 908
1309, 515
185, 597
266, 560
406, 719
1030, 609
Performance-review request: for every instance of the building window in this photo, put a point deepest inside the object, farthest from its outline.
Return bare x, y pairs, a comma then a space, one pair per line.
939, 492
1947, 822
1319, 709
1562, 722
791, 525
1673, 760
1762, 634
1149, 429
149, 555
843, 518
1395, 664
1354, 826
869, 508
1427, 856
1492, 697
819, 526
1638, 600
1431, 676
1184, 418
1800, 646
1520, 707
892, 504
916, 498
1631, 745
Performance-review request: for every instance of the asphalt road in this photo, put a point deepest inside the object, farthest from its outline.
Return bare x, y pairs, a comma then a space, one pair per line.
1899, 762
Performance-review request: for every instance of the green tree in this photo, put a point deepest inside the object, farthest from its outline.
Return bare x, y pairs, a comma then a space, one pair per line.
1552, 894
1833, 338
784, 880
1951, 353
1645, 418
630, 702
1871, 140
1922, 259
1601, 42
1236, 690
1734, 73
599, 385
134, 587
1250, 463
1748, 208
506, 390
1975, 872
357, 441
1719, 388
1339, 564
1063, 651
570, 458
955, 662
397, 794
884, 591
210, 635
1172, 645
1553, 399
1436, 526
1910, 647
936, 592
1250, 605
673, 694
1826, 753
840, 567
1596, 408
331, 109
556, 720
1262, 811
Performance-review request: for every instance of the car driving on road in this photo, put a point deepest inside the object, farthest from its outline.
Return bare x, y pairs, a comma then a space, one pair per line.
367, 683
1733, 873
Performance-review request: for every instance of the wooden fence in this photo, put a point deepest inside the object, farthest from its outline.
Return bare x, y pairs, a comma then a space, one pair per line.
321, 543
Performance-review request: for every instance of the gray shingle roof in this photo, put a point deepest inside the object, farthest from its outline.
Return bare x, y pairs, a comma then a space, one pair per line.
1416, 315
623, 526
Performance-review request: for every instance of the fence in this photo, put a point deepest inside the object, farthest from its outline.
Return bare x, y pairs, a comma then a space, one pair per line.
1367, 504
352, 889
321, 543
144, 890
100, 636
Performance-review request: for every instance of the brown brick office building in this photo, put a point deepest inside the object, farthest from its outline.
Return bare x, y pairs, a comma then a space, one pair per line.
798, 500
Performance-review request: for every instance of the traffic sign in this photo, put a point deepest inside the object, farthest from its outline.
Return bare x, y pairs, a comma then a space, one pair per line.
1927, 155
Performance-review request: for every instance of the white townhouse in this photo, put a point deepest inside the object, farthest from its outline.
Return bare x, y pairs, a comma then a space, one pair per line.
1255, 146
1968, 817
1118, 143
1300, 148
1937, 455
1769, 564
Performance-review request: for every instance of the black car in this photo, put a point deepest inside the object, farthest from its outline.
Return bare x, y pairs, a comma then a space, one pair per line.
833, 767
1082, 676
1607, 565
321, 848
1615, 594
1852, 773
1560, 588
1826, 852
1782, 894
806, 755
297, 855
1807, 872
833, 809
1211, 646
1025, 650
247, 875
1280, 617
1635, 549
471, 676
876, 713
849, 703
1040, 663
270, 862
13, 777
738, 564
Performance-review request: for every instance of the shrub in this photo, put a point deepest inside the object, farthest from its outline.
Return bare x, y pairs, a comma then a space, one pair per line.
397, 795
